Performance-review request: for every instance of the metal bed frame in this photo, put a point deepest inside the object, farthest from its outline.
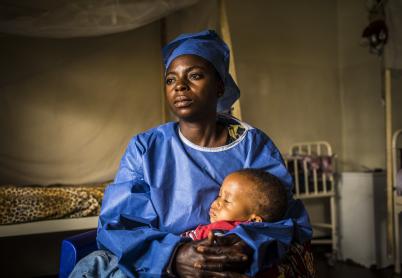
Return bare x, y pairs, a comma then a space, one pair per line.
396, 165
49, 226
308, 187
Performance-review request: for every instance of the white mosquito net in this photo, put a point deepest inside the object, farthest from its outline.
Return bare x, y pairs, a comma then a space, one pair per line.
81, 18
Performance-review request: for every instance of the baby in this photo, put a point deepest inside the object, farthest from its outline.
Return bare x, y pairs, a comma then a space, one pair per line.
248, 195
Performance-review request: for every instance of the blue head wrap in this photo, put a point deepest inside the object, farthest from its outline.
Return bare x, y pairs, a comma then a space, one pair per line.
209, 46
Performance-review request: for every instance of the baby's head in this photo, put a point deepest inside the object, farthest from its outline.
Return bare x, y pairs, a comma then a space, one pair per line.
250, 195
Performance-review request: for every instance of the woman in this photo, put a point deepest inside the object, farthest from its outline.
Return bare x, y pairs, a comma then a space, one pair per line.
170, 175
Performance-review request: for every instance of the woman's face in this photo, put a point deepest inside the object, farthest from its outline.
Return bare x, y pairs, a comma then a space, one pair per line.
192, 88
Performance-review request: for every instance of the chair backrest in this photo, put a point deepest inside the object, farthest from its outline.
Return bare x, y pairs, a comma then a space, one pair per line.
74, 249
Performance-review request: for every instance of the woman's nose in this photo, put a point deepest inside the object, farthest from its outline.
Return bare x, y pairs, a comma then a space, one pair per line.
181, 86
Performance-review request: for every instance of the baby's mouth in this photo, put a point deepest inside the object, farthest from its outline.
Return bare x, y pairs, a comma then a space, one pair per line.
212, 214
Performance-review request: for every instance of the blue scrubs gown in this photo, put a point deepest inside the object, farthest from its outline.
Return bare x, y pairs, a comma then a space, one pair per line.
165, 186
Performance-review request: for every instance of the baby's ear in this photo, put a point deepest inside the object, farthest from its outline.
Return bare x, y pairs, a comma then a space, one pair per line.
255, 218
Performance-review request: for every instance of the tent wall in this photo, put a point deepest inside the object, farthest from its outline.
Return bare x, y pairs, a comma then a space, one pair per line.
363, 111
304, 76
69, 107
201, 16
287, 67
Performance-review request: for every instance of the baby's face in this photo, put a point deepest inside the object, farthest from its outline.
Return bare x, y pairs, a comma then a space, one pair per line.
234, 202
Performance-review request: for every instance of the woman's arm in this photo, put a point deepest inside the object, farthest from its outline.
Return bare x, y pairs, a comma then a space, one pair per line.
128, 229
128, 223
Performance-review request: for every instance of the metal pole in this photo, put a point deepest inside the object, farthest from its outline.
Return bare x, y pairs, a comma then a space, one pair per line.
163, 41
225, 31
388, 140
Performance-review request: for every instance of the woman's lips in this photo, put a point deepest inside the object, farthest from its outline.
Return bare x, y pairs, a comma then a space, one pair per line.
182, 102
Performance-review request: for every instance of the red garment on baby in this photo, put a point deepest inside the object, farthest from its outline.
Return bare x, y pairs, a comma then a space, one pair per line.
202, 231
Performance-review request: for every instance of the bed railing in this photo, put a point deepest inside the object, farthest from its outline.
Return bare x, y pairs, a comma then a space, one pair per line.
396, 166
312, 166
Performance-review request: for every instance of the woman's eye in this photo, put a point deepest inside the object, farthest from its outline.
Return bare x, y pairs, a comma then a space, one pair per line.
195, 76
169, 81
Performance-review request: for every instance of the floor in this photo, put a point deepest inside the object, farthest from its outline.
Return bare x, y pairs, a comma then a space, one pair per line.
31, 256
20, 257
347, 269
340, 269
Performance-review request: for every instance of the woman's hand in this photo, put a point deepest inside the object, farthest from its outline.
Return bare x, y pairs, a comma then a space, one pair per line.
227, 256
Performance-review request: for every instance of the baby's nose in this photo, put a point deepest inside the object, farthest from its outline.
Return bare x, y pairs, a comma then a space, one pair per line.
216, 204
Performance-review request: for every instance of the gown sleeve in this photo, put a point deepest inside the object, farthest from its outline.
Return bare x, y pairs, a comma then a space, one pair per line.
271, 241
128, 223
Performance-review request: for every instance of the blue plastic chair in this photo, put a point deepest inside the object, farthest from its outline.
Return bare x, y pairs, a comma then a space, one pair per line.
75, 248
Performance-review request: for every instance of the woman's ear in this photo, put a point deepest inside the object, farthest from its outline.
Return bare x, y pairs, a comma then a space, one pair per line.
221, 88
255, 218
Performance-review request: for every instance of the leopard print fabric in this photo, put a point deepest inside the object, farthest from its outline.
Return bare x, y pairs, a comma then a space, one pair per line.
20, 204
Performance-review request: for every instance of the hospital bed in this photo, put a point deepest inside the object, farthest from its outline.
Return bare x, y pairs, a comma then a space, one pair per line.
27, 210
312, 166
47, 213
397, 184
